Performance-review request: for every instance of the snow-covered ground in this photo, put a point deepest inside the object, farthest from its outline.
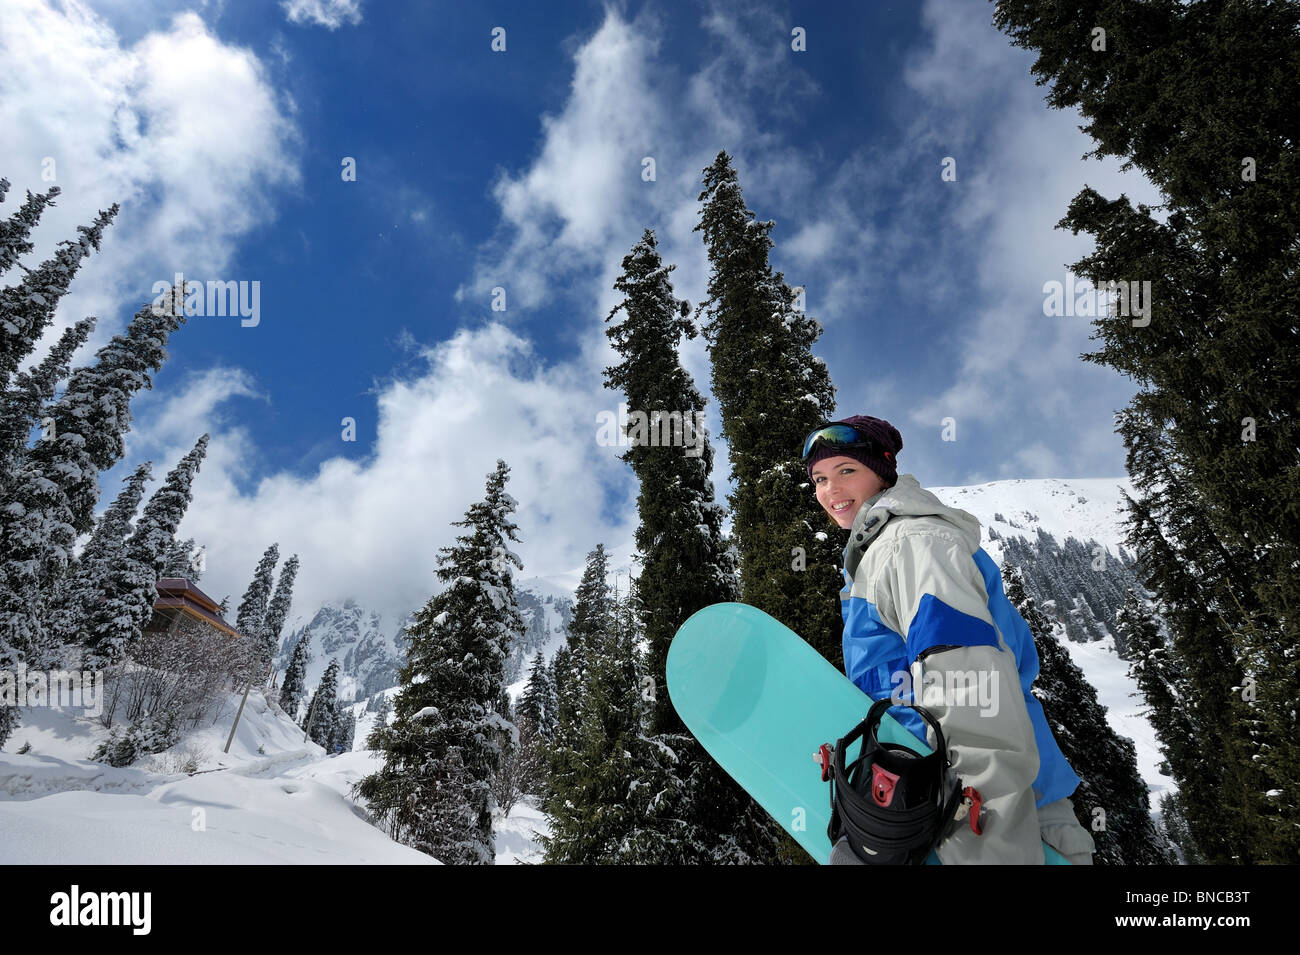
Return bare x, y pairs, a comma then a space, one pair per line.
285, 805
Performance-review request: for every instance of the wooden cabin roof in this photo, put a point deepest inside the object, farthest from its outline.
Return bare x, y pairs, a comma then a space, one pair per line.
178, 593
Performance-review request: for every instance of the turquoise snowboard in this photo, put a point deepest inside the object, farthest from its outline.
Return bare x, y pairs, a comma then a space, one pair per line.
762, 701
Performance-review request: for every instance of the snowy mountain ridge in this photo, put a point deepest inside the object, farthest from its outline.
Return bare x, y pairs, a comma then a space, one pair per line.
1084, 508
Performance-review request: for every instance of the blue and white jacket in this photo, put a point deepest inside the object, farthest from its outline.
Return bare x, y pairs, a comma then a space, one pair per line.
925, 614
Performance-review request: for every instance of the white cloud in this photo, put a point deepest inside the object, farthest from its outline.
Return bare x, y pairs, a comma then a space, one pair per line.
811, 243
326, 13
371, 528
563, 213
1033, 461
1014, 373
180, 128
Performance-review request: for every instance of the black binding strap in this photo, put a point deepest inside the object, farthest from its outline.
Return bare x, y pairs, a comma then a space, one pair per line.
922, 803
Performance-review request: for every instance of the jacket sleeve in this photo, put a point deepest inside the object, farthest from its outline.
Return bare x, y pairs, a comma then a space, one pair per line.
930, 591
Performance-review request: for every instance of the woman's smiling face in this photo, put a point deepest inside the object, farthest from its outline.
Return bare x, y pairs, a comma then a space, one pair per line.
844, 481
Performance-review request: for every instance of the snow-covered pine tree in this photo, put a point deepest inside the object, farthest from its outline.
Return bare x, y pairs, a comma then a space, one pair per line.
51, 498
591, 615
771, 392
442, 750
81, 589
294, 687
684, 558
181, 560
1197, 574
1221, 383
571, 790
550, 703
131, 588
1163, 685
532, 702
1159, 677
16, 230
532, 716
686, 562
345, 730
252, 609
381, 720
278, 610
325, 712
1112, 801
22, 404
27, 308
607, 785
505, 782
561, 666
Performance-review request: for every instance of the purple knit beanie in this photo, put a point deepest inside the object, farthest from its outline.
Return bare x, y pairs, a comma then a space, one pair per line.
884, 461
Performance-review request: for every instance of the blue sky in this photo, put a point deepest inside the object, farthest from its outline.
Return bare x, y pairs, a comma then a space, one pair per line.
221, 129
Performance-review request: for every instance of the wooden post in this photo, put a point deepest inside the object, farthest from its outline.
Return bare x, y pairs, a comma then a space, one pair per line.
235, 725
310, 715
238, 714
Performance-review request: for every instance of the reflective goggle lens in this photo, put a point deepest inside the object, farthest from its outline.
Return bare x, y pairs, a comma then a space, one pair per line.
832, 434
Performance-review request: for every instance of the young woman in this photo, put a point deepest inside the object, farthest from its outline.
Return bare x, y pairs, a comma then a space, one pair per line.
924, 615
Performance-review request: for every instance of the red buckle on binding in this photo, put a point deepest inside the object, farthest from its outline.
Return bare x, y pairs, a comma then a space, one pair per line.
971, 793
823, 756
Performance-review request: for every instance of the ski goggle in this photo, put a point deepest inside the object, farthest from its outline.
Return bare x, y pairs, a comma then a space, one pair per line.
841, 435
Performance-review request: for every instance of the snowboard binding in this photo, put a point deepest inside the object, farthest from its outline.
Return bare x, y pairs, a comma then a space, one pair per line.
893, 804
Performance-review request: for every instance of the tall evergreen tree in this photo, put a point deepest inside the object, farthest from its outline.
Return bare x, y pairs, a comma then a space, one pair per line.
278, 610
324, 711
1198, 575
252, 609
27, 308
1217, 355
294, 687
533, 717
588, 625
345, 730
182, 560
532, 702
381, 720
561, 665
686, 562
771, 393
131, 587
21, 405
1106, 762
595, 764
1159, 678
83, 587
443, 748
550, 704
15, 231
1163, 685
51, 499
505, 782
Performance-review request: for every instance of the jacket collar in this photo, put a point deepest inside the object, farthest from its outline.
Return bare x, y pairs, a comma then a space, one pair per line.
905, 498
